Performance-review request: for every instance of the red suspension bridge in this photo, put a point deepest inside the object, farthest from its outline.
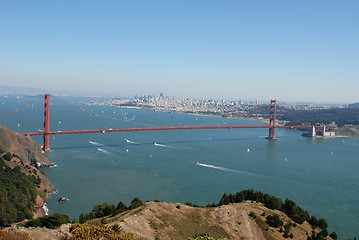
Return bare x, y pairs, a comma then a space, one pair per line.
46, 133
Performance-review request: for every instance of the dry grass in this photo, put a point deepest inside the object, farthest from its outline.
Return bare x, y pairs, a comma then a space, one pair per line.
4, 235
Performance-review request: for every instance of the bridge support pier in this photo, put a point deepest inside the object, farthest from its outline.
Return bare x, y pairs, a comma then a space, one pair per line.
272, 118
46, 146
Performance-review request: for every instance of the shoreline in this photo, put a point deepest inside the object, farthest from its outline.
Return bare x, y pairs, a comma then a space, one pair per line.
354, 133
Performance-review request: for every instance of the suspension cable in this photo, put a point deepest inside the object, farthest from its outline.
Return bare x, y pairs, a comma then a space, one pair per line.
17, 109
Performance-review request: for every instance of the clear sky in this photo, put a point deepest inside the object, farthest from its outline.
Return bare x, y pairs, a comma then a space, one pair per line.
289, 50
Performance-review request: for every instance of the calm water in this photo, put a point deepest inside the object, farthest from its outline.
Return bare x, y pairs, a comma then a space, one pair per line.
320, 175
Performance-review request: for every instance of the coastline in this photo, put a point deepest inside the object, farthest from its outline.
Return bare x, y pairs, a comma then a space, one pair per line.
346, 131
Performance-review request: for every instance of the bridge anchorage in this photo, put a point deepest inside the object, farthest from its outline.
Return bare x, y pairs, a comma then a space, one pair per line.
46, 133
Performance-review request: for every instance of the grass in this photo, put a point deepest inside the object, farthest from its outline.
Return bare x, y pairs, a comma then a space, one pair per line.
14, 236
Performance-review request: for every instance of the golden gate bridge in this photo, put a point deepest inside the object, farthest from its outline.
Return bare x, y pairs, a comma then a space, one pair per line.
46, 133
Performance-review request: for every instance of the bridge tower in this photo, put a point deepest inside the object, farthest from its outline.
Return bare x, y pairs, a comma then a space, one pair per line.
46, 146
272, 118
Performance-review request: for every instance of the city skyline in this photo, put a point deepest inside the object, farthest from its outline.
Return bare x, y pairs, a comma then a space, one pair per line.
292, 51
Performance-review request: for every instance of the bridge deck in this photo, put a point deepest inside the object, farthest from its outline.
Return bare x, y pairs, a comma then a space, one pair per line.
159, 129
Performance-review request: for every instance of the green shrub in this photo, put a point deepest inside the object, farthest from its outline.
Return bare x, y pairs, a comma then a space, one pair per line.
274, 221
51, 221
17, 194
135, 203
7, 156
252, 214
333, 235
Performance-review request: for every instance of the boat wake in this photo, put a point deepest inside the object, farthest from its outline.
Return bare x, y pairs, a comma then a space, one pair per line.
128, 141
218, 167
160, 145
96, 143
103, 151
228, 169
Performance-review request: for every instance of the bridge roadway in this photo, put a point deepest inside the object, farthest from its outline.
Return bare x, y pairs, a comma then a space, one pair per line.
110, 130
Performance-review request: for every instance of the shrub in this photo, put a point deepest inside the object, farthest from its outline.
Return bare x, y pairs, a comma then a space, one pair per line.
287, 228
333, 235
274, 221
7, 156
204, 237
252, 214
135, 203
51, 221
17, 194
84, 231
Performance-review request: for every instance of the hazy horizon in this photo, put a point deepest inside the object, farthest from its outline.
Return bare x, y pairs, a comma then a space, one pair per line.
14, 91
295, 51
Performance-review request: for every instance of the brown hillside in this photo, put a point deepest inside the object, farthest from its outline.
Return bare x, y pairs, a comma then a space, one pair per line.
160, 220
178, 221
24, 147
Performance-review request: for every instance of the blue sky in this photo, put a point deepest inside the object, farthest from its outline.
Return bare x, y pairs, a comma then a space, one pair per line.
290, 50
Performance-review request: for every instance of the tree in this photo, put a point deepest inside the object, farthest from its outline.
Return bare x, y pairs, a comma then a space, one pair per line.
82, 218
294, 212
333, 235
121, 207
135, 203
274, 221
322, 224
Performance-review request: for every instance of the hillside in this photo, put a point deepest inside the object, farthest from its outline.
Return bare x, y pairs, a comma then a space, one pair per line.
23, 188
28, 150
160, 220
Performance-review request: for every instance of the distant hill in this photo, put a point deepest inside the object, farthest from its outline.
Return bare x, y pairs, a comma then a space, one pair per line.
354, 105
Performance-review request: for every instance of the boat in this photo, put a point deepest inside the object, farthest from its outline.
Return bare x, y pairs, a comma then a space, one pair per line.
126, 140
62, 199
154, 143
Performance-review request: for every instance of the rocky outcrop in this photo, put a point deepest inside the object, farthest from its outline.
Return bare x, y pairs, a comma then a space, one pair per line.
28, 150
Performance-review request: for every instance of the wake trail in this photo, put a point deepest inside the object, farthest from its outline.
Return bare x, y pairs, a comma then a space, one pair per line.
96, 143
228, 169
103, 151
218, 167
129, 141
161, 145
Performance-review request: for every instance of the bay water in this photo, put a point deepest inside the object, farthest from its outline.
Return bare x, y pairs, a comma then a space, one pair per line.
320, 175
